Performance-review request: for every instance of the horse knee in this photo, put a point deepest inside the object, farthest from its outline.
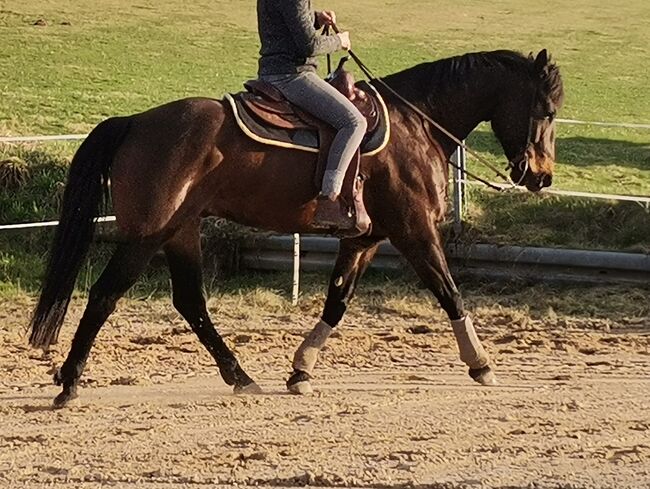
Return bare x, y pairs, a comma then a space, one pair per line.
182, 305
452, 303
359, 125
187, 307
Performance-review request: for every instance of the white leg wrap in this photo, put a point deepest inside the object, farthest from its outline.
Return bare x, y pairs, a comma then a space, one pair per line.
471, 350
307, 353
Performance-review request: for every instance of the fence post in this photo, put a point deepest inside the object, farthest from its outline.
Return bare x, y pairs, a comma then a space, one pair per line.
459, 158
296, 269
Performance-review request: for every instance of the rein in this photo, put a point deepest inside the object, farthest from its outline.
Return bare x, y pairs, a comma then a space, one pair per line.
326, 32
368, 72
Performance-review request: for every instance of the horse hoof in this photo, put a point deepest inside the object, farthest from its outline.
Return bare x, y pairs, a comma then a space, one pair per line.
247, 389
484, 376
303, 388
299, 384
63, 399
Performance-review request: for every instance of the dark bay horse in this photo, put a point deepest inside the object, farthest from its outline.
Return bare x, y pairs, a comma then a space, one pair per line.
172, 165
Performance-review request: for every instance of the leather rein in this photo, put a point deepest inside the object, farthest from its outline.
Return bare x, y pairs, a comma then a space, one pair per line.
373, 78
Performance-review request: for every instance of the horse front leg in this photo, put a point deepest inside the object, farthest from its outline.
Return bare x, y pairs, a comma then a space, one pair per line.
353, 259
423, 249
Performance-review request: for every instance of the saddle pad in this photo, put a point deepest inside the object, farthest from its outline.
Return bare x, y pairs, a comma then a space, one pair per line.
307, 139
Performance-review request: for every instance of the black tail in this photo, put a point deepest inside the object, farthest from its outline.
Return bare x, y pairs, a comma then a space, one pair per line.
85, 191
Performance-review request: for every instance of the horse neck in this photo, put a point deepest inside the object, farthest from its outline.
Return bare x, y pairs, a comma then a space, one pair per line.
458, 108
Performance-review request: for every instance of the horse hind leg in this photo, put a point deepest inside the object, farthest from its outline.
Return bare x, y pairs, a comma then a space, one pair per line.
183, 253
353, 259
121, 272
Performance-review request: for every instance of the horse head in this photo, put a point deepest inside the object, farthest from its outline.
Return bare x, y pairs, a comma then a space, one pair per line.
524, 122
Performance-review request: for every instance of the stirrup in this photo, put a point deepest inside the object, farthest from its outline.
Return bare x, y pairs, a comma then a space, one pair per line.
332, 214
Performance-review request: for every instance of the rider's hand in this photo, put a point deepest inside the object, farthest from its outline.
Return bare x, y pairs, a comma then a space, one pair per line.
345, 40
326, 17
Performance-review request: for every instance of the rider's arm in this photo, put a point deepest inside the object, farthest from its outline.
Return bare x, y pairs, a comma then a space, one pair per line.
300, 21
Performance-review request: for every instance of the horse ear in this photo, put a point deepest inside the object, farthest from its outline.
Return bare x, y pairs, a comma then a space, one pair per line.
541, 61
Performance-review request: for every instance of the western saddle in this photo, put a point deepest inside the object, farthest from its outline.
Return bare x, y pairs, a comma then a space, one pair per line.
268, 108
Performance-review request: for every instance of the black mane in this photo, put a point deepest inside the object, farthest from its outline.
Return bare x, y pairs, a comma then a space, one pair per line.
459, 71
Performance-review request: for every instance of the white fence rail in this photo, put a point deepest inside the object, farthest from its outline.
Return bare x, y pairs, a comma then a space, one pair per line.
459, 182
627, 125
45, 224
37, 139
319, 253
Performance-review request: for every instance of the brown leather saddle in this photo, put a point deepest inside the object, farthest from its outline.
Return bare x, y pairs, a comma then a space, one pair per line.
268, 117
264, 114
270, 106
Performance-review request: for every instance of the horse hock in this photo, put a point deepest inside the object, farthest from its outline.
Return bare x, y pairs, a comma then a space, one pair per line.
305, 358
472, 352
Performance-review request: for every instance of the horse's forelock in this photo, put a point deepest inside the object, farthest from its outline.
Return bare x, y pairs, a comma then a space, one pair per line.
552, 84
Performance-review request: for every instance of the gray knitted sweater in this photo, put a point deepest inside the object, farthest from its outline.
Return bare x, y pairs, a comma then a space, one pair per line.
290, 41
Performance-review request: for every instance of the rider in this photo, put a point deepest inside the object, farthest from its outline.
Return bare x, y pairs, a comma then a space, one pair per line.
288, 34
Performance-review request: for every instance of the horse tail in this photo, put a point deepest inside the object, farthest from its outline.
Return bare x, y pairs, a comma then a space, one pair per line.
86, 193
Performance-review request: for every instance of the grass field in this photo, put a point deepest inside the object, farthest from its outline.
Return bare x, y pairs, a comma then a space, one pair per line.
64, 67
87, 64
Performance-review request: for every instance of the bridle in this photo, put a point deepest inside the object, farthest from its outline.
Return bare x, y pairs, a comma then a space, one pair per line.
524, 164
533, 123
511, 184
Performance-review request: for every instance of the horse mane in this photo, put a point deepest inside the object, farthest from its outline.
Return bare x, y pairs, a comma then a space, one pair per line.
459, 71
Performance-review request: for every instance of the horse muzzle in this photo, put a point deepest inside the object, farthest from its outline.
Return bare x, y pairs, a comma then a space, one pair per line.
523, 173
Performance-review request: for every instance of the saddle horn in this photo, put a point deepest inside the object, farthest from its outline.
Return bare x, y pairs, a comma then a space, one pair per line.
342, 62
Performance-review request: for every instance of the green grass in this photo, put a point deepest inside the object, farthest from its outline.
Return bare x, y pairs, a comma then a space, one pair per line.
86, 64
553, 221
117, 58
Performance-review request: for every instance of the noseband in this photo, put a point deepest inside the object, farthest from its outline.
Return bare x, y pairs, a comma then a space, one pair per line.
522, 166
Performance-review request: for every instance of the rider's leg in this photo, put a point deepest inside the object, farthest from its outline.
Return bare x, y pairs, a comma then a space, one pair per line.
314, 95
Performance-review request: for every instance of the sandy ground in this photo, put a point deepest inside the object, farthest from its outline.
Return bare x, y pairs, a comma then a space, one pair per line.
393, 406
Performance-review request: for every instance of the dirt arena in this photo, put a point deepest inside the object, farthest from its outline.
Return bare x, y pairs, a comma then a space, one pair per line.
393, 407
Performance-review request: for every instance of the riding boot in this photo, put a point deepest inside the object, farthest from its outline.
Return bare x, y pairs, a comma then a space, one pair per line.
332, 213
347, 221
